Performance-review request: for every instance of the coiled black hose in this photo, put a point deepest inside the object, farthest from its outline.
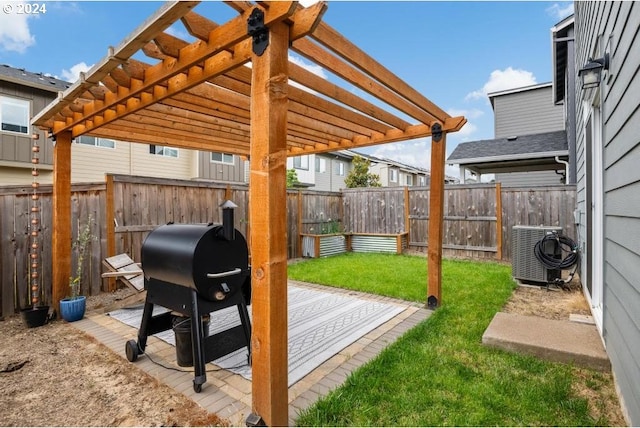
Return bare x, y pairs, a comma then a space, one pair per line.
567, 246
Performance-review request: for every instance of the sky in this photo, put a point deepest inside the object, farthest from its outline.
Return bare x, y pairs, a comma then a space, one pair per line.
453, 52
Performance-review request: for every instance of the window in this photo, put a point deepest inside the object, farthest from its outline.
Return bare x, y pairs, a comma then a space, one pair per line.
409, 180
301, 162
96, 141
321, 164
421, 180
340, 168
222, 158
14, 115
169, 152
393, 175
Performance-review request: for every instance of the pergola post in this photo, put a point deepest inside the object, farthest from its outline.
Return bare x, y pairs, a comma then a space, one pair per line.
61, 230
268, 220
436, 216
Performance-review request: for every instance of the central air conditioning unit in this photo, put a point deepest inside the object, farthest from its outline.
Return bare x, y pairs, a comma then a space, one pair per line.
525, 266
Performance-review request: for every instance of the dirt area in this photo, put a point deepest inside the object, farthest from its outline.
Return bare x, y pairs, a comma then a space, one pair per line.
55, 375
553, 303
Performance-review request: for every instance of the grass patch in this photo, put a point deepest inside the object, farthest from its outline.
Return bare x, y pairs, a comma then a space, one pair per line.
439, 373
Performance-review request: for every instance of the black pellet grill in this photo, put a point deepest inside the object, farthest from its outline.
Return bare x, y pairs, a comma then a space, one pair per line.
196, 269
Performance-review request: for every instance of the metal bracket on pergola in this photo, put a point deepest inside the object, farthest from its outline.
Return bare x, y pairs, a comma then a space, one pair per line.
201, 96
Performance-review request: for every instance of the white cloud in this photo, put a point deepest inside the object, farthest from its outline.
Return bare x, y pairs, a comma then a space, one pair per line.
313, 68
469, 128
414, 153
501, 80
467, 131
14, 29
560, 10
176, 31
468, 114
73, 74
452, 171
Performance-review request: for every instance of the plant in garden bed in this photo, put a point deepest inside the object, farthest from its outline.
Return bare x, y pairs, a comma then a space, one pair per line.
332, 227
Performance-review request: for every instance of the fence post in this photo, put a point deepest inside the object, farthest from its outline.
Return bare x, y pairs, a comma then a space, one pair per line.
407, 225
111, 226
499, 220
299, 252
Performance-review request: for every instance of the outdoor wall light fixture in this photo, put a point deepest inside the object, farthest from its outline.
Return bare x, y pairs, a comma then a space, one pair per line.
591, 73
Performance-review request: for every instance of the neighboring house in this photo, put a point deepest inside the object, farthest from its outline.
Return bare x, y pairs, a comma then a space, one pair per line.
608, 184
530, 145
393, 173
23, 94
222, 167
327, 171
524, 160
323, 171
331, 169
564, 84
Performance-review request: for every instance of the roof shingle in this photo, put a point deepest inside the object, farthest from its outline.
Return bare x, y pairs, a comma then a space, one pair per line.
35, 80
524, 145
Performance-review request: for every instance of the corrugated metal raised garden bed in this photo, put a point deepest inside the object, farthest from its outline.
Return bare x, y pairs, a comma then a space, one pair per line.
322, 245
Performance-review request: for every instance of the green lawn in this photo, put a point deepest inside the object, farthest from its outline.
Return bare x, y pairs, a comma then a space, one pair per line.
439, 373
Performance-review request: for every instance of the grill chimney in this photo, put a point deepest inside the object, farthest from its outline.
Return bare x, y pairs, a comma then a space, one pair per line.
228, 228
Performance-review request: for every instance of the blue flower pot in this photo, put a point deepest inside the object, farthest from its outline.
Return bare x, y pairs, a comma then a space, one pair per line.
72, 309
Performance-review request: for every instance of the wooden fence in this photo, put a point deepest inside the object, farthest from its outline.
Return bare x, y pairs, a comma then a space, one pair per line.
141, 204
87, 201
477, 218
124, 209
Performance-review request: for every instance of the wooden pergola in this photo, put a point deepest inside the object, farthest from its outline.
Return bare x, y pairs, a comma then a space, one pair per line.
200, 95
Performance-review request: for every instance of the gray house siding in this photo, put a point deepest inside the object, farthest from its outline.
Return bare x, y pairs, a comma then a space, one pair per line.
532, 178
337, 179
15, 150
324, 179
218, 171
620, 106
529, 112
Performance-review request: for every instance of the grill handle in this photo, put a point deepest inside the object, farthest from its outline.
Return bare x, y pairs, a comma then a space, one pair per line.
223, 274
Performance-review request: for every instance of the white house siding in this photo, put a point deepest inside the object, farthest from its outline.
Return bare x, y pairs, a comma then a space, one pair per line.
147, 164
22, 176
337, 180
621, 181
90, 163
306, 176
324, 179
527, 112
383, 172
